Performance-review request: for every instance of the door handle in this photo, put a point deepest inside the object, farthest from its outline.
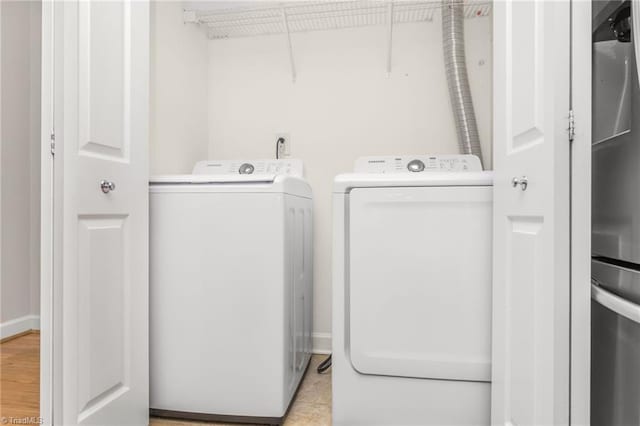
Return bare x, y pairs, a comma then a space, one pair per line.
615, 303
522, 181
107, 186
635, 28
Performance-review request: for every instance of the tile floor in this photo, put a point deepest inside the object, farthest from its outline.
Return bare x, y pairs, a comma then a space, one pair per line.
311, 407
20, 380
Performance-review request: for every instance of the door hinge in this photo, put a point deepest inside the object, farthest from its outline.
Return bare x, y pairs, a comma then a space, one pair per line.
572, 126
52, 144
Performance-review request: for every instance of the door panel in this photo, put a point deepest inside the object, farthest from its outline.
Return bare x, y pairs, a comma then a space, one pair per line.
522, 339
615, 173
420, 303
527, 79
615, 368
101, 120
104, 31
103, 362
530, 375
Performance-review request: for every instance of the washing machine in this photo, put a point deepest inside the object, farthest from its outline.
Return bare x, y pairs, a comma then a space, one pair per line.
230, 290
412, 292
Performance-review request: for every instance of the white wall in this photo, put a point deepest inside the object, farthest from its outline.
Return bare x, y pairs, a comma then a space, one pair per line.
179, 60
342, 106
34, 153
20, 166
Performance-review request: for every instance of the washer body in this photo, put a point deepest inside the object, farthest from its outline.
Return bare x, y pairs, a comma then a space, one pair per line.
412, 292
230, 291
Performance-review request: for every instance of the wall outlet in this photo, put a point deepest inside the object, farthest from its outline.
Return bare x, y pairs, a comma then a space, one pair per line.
284, 148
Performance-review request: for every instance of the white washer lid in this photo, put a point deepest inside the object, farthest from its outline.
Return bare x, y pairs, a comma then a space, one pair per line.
263, 183
204, 179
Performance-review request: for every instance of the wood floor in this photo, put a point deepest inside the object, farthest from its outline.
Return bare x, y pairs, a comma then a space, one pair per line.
20, 383
20, 378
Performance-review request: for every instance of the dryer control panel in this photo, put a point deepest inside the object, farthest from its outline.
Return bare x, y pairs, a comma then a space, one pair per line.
247, 167
418, 164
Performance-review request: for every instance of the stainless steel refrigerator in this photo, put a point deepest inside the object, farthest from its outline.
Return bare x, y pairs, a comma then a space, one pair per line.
615, 326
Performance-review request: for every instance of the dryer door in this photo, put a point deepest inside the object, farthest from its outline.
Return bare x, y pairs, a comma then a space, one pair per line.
419, 282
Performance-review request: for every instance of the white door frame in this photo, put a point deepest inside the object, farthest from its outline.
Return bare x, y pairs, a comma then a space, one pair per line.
581, 214
52, 187
49, 212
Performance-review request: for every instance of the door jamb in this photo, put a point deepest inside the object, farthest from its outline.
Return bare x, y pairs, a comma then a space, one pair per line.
46, 216
580, 370
50, 217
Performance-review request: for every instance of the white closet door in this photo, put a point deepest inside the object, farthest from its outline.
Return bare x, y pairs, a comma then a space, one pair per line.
101, 116
530, 369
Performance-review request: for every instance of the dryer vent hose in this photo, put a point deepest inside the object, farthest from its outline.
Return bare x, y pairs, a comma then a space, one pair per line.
456, 69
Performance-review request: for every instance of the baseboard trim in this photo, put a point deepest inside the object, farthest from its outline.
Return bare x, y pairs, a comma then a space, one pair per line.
321, 343
223, 418
18, 326
22, 325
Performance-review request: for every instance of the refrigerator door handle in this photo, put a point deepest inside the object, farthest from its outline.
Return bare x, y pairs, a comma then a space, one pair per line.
635, 29
615, 303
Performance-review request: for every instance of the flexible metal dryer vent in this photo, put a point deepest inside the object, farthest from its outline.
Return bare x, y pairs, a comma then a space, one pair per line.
456, 69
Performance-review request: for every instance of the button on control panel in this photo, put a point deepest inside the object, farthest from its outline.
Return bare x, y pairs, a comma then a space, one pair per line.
289, 166
246, 169
418, 164
415, 166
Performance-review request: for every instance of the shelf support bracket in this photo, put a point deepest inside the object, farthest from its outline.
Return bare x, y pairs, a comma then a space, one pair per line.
389, 35
189, 16
285, 22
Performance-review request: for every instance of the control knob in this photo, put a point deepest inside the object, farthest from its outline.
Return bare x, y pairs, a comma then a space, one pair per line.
415, 166
246, 169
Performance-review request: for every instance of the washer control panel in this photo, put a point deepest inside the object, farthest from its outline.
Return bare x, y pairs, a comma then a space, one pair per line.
418, 164
248, 167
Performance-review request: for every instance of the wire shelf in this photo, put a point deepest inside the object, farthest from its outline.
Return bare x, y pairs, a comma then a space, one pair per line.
255, 19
